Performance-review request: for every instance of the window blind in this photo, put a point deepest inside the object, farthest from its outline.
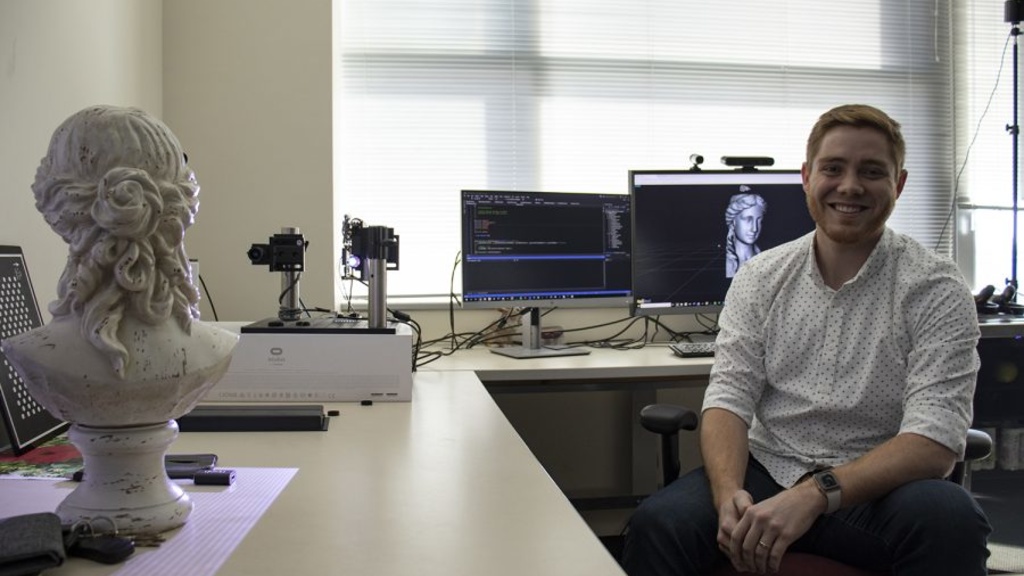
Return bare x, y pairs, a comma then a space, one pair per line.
984, 147
569, 95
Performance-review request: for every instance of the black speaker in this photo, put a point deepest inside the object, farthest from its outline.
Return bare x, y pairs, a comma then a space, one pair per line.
999, 396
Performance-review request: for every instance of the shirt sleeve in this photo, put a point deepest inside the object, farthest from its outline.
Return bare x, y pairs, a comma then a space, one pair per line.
738, 374
942, 366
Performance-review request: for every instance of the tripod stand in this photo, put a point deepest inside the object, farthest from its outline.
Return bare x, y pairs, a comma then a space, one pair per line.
1012, 15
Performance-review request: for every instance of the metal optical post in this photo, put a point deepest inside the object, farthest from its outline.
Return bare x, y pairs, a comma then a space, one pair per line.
372, 251
284, 253
376, 240
1012, 15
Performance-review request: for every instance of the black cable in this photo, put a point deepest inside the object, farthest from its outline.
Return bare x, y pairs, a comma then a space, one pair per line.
468, 340
408, 321
487, 335
631, 319
208, 297
346, 293
657, 325
453, 298
464, 335
289, 288
672, 334
481, 337
294, 283
611, 342
712, 329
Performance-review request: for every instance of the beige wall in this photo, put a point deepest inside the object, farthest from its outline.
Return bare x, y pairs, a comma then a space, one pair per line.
57, 57
247, 89
249, 98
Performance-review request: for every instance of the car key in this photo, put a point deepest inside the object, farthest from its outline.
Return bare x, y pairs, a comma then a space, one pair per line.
102, 548
81, 541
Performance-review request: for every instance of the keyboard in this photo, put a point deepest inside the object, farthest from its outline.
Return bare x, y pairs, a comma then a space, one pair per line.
693, 349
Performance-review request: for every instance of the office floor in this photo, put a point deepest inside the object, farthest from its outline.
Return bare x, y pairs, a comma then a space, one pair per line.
1001, 496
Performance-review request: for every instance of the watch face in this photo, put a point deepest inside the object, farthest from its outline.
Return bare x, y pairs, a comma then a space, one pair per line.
827, 480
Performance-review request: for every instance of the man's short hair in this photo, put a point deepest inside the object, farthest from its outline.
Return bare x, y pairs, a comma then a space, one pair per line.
858, 116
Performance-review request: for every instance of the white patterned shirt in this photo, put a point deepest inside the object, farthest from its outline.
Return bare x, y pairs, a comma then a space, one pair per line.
822, 376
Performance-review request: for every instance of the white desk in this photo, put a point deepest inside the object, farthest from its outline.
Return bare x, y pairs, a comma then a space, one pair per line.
442, 485
641, 372
654, 362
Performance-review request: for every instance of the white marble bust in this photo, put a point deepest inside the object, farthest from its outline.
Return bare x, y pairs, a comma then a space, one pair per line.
125, 346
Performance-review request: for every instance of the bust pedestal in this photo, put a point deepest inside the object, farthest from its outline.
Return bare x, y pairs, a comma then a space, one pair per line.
125, 480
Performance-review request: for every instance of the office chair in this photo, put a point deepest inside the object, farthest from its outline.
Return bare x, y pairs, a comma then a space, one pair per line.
667, 420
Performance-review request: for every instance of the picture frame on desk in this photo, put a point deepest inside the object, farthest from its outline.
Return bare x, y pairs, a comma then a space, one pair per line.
26, 422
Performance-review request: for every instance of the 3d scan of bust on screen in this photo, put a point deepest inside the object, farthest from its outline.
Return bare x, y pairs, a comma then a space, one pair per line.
743, 217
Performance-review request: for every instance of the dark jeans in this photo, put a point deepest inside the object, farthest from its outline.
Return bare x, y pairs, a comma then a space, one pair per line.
923, 528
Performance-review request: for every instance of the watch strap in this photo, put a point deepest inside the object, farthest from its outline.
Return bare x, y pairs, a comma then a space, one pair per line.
828, 484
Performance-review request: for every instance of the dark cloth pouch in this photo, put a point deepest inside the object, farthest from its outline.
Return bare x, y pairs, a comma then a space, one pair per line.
30, 543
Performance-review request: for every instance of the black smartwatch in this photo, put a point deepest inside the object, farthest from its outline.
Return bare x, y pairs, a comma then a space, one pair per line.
829, 485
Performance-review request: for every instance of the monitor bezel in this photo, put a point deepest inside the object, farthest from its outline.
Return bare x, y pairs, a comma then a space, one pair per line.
584, 301
669, 308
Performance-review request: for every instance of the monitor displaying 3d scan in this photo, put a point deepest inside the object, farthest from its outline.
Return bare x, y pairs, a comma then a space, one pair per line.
692, 230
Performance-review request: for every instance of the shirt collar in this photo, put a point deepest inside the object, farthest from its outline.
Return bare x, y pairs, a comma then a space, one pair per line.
878, 256
876, 260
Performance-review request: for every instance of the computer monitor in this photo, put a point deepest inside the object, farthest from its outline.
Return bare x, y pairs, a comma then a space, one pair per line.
545, 249
693, 229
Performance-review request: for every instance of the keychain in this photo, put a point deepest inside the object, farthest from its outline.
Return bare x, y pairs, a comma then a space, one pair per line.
82, 541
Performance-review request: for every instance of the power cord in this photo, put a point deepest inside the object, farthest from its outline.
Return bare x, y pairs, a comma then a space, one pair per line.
208, 298
453, 298
289, 288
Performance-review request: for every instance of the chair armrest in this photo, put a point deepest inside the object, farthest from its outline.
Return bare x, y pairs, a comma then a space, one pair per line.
667, 418
979, 445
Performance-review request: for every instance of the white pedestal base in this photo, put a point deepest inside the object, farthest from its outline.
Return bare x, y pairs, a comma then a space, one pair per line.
124, 480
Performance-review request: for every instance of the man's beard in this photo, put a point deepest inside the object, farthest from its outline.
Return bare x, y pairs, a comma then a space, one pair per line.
848, 234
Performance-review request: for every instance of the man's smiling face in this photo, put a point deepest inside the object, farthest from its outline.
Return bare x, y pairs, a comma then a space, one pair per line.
852, 184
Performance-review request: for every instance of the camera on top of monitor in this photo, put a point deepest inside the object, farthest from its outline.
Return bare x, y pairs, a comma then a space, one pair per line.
748, 162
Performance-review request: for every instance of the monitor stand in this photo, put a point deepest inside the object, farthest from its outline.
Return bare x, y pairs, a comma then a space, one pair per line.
531, 347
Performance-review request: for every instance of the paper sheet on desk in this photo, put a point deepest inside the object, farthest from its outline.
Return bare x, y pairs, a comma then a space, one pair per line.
220, 520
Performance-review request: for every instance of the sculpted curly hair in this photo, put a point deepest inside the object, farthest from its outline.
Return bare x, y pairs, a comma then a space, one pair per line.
116, 187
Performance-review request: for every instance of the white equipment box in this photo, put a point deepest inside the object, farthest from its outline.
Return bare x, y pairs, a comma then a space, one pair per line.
318, 359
